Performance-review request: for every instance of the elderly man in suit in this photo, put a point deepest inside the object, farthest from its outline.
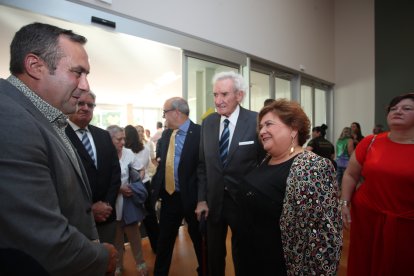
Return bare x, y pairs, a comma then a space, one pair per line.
100, 160
45, 199
229, 149
175, 181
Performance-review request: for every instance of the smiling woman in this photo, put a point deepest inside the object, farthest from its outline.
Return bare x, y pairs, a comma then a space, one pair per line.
290, 207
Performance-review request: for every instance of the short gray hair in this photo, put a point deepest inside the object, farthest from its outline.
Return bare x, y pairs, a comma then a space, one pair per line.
114, 129
238, 80
93, 95
180, 104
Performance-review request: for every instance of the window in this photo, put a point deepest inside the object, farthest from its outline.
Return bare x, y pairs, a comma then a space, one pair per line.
259, 89
200, 73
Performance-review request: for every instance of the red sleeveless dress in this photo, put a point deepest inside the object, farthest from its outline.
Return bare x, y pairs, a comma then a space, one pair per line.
382, 211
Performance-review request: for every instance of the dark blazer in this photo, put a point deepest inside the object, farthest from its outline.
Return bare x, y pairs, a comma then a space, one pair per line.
187, 168
244, 154
45, 199
106, 179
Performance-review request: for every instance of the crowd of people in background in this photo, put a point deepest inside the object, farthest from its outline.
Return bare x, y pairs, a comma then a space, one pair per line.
71, 192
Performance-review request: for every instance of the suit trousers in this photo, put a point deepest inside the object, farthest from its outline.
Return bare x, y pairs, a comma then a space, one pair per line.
171, 216
216, 238
150, 221
106, 231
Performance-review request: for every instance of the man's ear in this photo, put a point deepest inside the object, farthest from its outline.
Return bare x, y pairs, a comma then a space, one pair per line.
34, 66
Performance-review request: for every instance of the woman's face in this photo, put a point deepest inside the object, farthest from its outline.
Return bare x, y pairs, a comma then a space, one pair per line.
401, 115
276, 136
118, 139
140, 131
354, 128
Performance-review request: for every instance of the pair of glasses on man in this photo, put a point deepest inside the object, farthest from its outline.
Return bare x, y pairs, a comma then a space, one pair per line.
90, 105
166, 111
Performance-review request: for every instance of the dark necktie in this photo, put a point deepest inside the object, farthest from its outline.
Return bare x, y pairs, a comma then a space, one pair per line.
87, 143
224, 142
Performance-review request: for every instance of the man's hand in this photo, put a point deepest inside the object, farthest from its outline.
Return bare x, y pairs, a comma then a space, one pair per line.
113, 256
201, 207
101, 211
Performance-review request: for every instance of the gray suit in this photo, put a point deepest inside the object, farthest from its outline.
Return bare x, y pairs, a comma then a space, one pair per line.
45, 199
219, 185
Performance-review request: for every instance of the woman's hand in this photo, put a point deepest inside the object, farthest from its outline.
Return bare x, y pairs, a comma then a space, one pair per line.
346, 216
125, 190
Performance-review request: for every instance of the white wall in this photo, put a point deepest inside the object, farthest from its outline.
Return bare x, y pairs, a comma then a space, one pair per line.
287, 32
334, 40
354, 98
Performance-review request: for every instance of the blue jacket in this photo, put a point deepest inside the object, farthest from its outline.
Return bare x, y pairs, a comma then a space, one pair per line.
133, 208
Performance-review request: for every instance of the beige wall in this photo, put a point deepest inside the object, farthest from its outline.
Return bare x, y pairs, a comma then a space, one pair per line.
287, 32
354, 65
334, 40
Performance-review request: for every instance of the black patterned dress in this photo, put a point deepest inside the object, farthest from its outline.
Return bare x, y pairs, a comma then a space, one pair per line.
292, 222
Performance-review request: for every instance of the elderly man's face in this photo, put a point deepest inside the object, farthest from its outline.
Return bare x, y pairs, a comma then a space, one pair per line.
84, 114
65, 86
225, 98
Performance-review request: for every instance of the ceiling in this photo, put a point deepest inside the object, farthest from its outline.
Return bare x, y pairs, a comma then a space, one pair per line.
124, 69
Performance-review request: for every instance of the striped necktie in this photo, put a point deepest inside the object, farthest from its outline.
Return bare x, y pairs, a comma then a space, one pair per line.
87, 143
169, 165
224, 142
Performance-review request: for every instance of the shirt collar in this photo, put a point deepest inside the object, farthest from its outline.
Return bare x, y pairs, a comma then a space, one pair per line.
75, 126
51, 113
184, 127
233, 117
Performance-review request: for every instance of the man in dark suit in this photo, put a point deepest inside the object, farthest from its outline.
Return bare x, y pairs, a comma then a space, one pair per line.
175, 181
102, 167
45, 198
229, 149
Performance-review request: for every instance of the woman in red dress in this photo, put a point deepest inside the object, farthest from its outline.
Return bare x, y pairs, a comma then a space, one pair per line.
382, 211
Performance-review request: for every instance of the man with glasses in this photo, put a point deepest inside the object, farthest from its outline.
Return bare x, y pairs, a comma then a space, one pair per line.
100, 160
175, 182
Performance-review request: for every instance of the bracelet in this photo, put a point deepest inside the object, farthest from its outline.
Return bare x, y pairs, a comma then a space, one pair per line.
343, 203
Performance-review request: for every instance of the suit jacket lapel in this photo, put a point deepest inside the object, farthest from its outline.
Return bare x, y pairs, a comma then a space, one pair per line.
168, 133
187, 144
98, 146
77, 143
22, 100
239, 131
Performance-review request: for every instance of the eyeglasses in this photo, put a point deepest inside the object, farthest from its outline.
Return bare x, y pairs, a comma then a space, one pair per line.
166, 111
90, 105
404, 108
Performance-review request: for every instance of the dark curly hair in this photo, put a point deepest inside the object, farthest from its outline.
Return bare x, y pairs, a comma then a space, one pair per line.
321, 129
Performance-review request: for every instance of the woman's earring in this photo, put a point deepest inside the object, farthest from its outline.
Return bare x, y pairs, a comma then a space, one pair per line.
292, 148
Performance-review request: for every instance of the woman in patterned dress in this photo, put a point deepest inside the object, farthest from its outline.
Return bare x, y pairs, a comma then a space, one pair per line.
290, 205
